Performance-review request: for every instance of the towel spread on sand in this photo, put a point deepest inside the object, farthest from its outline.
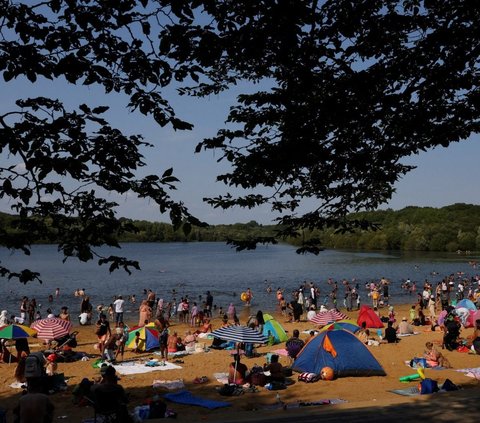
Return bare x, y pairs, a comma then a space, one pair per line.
407, 334
131, 368
408, 392
221, 377
186, 397
281, 351
168, 384
473, 372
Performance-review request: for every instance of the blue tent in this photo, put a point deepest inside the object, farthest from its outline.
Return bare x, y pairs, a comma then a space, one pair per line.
340, 350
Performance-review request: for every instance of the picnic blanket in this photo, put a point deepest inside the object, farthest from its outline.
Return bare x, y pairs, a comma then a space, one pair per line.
186, 397
135, 367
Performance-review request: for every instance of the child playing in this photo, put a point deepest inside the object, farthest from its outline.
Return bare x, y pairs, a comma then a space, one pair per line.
137, 341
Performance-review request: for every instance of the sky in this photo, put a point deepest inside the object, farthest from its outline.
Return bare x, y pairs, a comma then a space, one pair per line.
443, 176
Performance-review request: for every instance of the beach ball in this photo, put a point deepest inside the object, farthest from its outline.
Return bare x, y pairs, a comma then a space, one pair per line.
327, 373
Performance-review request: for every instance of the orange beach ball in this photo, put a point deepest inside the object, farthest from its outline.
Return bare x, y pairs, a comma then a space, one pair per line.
327, 373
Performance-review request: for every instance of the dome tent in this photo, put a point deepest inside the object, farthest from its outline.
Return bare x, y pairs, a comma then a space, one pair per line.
275, 329
368, 316
340, 350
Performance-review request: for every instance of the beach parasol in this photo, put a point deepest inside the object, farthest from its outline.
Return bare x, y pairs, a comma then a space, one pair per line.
349, 325
238, 333
148, 338
16, 331
325, 317
242, 334
52, 328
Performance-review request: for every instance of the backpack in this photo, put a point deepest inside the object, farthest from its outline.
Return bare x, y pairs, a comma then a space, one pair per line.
428, 386
35, 365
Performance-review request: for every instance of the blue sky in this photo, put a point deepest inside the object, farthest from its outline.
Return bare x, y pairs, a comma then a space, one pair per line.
443, 176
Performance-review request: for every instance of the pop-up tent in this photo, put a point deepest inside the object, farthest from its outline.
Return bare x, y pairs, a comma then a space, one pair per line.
466, 303
367, 315
275, 329
340, 350
148, 338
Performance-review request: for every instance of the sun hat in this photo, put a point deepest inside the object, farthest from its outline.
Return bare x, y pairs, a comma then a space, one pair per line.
404, 319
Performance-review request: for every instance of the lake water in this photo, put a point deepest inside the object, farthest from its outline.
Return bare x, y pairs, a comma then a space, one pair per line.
194, 268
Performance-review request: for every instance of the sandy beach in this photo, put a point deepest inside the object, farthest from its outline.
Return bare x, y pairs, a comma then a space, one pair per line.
358, 392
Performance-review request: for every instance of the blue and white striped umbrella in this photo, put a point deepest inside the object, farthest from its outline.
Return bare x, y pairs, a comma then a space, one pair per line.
240, 334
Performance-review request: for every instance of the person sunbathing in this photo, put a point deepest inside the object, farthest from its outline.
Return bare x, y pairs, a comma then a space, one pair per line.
434, 357
206, 327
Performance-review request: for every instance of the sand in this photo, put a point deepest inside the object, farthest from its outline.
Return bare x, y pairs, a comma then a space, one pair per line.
357, 392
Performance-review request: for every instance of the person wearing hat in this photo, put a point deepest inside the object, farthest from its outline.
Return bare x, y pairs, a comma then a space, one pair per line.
405, 328
51, 365
109, 396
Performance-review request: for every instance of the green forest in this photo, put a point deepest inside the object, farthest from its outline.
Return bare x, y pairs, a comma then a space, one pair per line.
447, 229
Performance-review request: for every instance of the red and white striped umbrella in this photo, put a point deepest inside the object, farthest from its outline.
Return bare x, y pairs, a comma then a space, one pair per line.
325, 317
51, 328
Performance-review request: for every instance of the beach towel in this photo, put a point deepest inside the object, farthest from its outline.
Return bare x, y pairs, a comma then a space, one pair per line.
169, 384
298, 404
18, 385
473, 372
186, 397
131, 368
221, 377
408, 392
281, 351
174, 354
400, 335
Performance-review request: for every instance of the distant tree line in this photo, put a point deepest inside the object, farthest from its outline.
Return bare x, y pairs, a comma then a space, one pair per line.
447, 229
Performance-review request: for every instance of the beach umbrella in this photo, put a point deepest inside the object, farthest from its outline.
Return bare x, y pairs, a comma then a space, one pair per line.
242, 334
325, 317
236, 333
16, 331
349, 325
52, 328
148, 338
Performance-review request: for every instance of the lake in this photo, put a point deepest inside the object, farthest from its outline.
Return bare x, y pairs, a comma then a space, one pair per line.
194, 268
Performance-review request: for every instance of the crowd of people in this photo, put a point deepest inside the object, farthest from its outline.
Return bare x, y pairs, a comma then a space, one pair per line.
305, 301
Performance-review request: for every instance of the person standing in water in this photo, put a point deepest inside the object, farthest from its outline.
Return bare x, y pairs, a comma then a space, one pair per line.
249, 297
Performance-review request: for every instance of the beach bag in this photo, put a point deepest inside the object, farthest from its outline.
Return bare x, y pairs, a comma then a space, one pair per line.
308, 377
448, 385
157, 409
428, 386
227, 390
258, 379
35, 365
